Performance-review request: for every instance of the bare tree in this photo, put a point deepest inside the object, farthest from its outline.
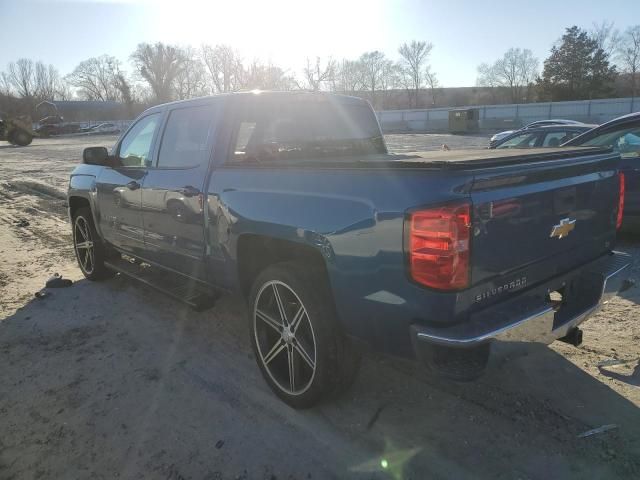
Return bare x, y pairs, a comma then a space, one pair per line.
516, 70
374, 65
629, 56
22, 77
349, 76
414, 62
606, 35
318, 75
191, 80
159, 65
97, 78
258, 75
5, 84
47, 81
224, 66
432, 82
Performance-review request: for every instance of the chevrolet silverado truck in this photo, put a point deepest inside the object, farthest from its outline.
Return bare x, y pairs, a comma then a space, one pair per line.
292, 200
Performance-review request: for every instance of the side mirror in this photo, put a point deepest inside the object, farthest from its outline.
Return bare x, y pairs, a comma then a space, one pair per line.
96, 156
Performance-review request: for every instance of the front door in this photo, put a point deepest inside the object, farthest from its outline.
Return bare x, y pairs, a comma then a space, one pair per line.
172, 192
119, 189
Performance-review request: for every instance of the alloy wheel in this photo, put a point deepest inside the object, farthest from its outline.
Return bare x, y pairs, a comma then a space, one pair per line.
83, 244
285, 340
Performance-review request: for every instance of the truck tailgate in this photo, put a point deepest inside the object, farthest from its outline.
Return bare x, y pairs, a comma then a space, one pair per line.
557, 213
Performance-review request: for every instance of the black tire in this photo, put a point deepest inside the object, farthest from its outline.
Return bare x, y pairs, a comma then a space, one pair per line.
10, 138
92, 267
316, 334
22, 138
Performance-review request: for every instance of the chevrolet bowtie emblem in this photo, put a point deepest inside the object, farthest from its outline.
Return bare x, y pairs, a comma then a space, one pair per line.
563, 228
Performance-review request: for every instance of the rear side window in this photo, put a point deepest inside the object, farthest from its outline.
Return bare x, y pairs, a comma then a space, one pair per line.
186, 136
301, 130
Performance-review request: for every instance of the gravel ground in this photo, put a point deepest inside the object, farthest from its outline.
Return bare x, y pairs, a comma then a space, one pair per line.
111, 379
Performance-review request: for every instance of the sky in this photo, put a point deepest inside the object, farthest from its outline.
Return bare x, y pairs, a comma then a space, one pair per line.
464, 33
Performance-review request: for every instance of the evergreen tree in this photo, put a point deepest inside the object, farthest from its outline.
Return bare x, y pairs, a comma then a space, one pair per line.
577, 69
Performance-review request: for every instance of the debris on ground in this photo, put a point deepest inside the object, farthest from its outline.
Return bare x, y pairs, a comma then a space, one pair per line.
56, 281
595, 431
40, 294
21, 223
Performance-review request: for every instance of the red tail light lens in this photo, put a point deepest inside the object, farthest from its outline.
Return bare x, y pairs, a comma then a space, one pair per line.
620, 201
438, 246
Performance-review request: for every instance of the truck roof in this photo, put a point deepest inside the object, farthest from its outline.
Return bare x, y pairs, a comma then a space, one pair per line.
261, 94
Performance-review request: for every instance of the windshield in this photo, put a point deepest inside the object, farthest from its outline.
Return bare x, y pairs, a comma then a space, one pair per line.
307, 129
626, 141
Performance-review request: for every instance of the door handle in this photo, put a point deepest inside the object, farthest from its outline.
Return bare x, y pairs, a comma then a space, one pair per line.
189, 191
133, 185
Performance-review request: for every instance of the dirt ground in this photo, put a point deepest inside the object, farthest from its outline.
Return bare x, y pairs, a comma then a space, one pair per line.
113, 380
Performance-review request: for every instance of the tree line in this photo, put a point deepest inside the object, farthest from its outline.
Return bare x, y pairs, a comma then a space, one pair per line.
163, 72
581, 65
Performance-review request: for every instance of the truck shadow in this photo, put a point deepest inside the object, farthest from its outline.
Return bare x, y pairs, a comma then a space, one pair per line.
113, 378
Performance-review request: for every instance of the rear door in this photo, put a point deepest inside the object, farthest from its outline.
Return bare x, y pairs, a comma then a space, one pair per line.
172, 192
119, 188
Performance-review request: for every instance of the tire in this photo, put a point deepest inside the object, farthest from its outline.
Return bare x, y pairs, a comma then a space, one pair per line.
22, 138
90, 251
310, 338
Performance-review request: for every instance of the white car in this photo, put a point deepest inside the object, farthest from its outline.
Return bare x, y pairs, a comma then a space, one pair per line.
105, 128
539, 123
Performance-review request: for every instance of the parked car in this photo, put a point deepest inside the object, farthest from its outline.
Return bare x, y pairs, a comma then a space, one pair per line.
539, 123
544, 136
331, 239
103, 129
623, 136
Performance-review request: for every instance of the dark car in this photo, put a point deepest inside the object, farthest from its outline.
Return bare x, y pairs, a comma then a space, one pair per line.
623, 135
292, 200
543, 136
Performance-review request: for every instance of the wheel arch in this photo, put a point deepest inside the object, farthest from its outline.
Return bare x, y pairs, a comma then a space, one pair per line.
75, 203
256, 252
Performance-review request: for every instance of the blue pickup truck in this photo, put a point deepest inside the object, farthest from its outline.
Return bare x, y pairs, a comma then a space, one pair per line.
293, 200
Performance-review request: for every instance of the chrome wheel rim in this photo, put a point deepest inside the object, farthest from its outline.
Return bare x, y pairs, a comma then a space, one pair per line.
284, 336
83, 244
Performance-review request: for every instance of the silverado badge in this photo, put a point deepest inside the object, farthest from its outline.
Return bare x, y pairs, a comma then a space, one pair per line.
563, 228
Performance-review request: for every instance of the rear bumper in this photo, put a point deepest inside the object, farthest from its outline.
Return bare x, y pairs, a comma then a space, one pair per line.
522, 320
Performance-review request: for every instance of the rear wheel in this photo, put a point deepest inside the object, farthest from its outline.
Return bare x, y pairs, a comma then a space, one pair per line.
91, 253
299, 346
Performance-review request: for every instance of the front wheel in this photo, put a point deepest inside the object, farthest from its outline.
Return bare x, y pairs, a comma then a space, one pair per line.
22, 138
299, 346
90, 251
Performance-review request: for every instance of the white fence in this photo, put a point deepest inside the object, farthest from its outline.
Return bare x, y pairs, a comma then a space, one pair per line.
502, 117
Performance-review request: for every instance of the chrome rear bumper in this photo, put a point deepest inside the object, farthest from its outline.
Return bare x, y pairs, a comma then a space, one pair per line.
545, 324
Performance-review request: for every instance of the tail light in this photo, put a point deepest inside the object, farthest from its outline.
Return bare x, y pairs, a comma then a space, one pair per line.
438, 246
620, 200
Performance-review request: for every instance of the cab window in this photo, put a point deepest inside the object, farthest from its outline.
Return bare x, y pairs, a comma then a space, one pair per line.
135, 147
186, 136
